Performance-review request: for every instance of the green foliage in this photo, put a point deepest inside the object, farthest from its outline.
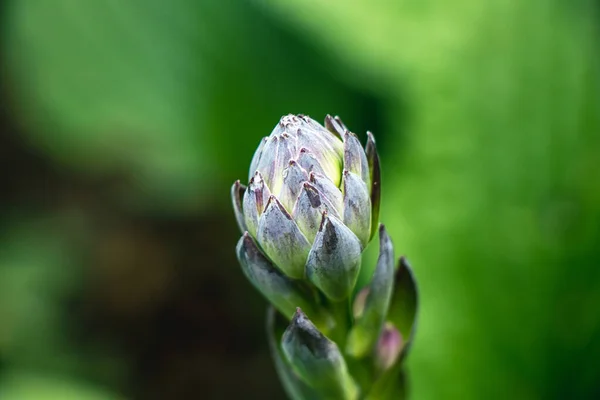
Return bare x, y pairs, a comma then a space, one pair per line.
31, 387
151, 89
494, 195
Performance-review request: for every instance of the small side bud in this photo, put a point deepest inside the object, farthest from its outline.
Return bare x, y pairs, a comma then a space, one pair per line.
317, 360
405, 302
388, 348
368, 326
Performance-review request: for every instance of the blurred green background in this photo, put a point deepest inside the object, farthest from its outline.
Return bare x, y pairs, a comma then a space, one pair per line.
124, 123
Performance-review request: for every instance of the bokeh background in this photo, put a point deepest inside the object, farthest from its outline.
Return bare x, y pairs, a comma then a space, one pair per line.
124, 123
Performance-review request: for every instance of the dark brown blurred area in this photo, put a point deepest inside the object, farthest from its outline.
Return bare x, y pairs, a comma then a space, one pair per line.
158, 294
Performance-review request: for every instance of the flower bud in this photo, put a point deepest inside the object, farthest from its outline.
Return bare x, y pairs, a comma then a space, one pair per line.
309, 210
311, 201
388, 348
317, 360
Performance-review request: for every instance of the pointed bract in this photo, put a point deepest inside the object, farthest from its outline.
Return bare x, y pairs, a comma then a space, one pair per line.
291, 143
367, 327
330, 194
268, 160
357, 207
355, 159
308, 211
332, 141
375, 174
339, 121
281, 125
256, 158
334, 126
309, 162
317, 360
283, 292
334, 260
293, 178
328, 156
255, 199
237, 195
282, 240
281, 162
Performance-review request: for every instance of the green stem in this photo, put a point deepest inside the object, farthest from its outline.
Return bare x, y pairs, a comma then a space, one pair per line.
343, 322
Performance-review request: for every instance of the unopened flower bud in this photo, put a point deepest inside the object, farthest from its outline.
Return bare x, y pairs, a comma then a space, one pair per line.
317, 360
309, 210
367, 326
388, 348
311, 201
